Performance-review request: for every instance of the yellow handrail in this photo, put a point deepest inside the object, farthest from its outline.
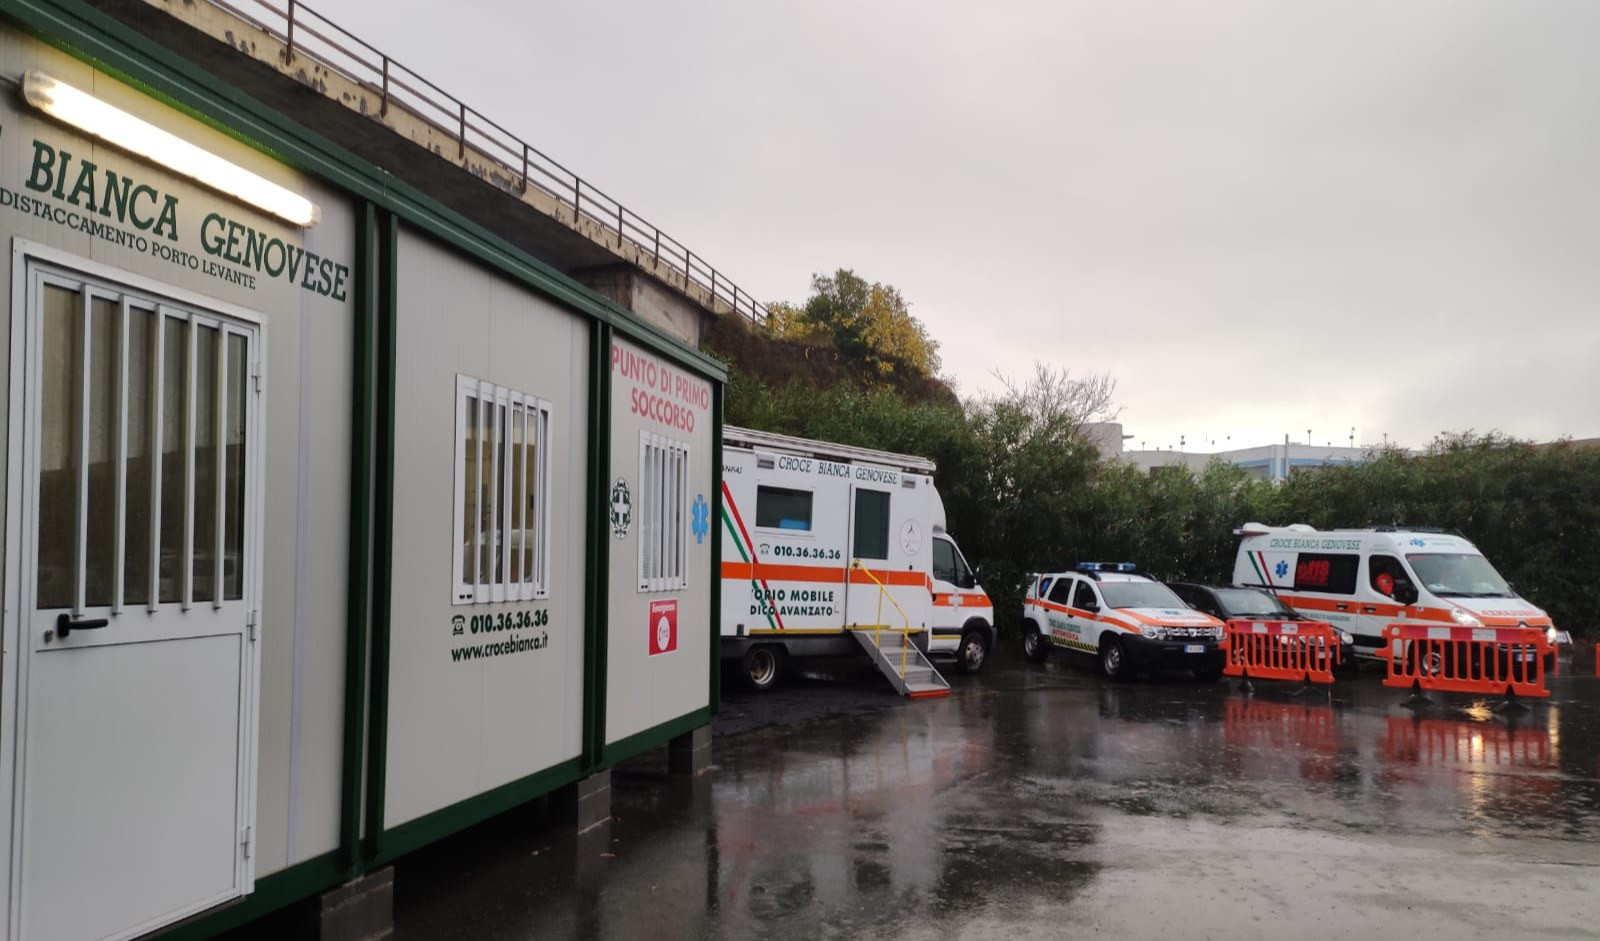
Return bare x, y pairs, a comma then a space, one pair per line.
877, 628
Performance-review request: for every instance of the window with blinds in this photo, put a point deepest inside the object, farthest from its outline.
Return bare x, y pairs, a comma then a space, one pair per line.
663, 513
502, 494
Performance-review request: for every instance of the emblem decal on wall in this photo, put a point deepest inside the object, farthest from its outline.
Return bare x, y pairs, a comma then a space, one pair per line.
621, 508
700, 518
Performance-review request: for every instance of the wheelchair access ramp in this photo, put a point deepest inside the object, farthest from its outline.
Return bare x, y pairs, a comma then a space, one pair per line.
901, 663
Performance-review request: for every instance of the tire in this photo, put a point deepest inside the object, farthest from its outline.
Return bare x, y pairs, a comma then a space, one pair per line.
761, 668
1208, 676
1433, 667
973, 651
1034, 645
1113, 661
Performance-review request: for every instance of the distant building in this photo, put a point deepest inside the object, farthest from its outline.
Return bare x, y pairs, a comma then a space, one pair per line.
1270, 462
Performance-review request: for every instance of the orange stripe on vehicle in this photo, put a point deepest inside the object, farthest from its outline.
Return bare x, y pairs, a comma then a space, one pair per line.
1086, 615
821, 574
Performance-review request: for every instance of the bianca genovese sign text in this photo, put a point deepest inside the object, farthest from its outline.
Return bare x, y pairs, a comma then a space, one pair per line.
114, 207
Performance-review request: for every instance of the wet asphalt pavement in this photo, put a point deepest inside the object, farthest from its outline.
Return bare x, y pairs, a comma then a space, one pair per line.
1044, 802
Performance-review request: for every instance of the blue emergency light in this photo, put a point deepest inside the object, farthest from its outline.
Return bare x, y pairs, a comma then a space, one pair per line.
1107, 567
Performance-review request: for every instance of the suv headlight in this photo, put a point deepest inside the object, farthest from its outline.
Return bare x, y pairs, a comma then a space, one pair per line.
1345, 637
1556, 637
1465, 618
1154, 631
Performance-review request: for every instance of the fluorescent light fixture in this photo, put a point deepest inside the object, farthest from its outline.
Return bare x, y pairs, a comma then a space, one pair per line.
121, 129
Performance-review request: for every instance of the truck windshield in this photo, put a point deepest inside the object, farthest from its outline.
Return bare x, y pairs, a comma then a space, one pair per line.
1139, 595
1459, 575
1253, 603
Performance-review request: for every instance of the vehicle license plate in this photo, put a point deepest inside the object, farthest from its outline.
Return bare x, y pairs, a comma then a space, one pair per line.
1194, 648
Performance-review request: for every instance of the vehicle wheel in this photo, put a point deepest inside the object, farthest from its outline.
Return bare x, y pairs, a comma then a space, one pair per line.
1432, 664
761, 668
1113, 662
1208, 676
1034, 646
973, 651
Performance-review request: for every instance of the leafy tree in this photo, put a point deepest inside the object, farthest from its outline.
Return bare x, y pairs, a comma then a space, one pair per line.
872, 321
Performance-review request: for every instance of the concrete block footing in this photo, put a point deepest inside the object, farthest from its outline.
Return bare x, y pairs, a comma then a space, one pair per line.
689, 755
362, 910
583, 805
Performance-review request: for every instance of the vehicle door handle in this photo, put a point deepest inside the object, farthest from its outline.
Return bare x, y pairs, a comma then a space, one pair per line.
1368, 609
1340, 606
65, 624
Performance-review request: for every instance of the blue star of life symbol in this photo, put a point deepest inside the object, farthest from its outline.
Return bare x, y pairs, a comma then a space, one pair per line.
1282, 569
700, 518
1418, 542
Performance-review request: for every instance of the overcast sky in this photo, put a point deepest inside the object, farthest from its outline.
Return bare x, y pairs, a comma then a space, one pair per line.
1259, 217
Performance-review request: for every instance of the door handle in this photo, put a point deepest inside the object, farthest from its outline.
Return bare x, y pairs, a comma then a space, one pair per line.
1341, 606
66, 624
1368, 609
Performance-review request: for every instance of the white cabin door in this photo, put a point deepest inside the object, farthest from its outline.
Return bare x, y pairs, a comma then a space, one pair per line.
132, 801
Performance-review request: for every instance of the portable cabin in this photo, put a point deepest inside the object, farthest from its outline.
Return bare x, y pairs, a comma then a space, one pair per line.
334, 523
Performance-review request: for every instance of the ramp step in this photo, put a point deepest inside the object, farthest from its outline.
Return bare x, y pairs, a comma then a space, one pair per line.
891, 650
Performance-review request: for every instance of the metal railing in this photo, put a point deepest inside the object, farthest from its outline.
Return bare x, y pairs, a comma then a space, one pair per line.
304, 32
878, 627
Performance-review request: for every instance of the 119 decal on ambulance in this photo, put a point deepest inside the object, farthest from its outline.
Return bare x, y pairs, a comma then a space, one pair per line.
826, 540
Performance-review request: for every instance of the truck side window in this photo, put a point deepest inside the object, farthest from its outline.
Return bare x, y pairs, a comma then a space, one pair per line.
944, 562
1083, 599
782, 508
1330, 572
1061, 591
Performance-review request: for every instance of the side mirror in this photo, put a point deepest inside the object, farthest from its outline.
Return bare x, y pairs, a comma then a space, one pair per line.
1405, 592
1092, 606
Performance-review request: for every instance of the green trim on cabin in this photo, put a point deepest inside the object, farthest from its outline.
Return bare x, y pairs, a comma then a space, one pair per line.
360, 549
415, 834
122, 52
277, 890
597, 639
715, 702
382, 533
639, 743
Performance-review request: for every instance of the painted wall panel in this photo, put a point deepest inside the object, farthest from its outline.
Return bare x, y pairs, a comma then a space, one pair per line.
645, 685
182, 236
467, 713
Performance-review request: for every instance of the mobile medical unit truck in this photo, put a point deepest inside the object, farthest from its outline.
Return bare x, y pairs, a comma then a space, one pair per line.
828, 541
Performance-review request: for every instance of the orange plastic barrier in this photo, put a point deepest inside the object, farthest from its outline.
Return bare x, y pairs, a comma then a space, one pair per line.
1280, 650
1492, 660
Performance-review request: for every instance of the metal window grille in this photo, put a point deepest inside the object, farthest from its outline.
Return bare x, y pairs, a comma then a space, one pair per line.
664, 514
502, 494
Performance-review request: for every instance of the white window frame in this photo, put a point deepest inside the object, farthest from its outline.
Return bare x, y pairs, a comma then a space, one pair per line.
663, 513
507, 410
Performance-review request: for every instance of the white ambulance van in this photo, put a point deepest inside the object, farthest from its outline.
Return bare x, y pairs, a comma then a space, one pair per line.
796, 513
1363, 580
